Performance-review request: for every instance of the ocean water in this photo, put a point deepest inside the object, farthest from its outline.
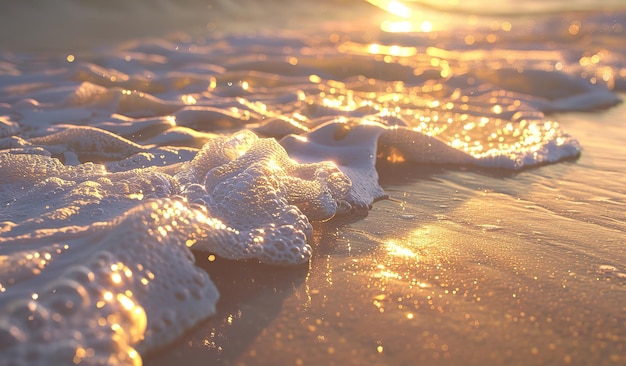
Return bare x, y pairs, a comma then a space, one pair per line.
240, 182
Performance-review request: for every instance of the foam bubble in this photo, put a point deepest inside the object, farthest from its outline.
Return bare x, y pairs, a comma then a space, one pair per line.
254, 187
118, 300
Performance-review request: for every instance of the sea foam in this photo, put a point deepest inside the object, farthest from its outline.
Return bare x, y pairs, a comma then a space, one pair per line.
116, 163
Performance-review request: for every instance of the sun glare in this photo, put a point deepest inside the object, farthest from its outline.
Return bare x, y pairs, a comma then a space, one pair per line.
410, 21
398, 250
394, 7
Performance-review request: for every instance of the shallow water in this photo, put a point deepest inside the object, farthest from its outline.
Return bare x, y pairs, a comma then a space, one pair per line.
406, 188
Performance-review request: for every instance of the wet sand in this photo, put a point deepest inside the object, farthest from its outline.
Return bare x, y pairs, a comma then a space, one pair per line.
458, 266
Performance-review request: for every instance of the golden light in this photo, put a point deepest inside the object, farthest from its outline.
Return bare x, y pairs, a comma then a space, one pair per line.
398, 250
300, 138
126, 303
274, 166
239, 146
213, 83
133, 354
393, 155
162, 231
388, 275
374, 48
410, 21
393, 50
426, 26
188, 99
315, 79
79, 355
574, 28
392, 6
135, 196
396, 27
136, 313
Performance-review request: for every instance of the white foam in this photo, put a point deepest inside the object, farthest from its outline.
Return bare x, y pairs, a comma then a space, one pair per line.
352, 147
102, 292
101, 263
253, 187
114, 163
